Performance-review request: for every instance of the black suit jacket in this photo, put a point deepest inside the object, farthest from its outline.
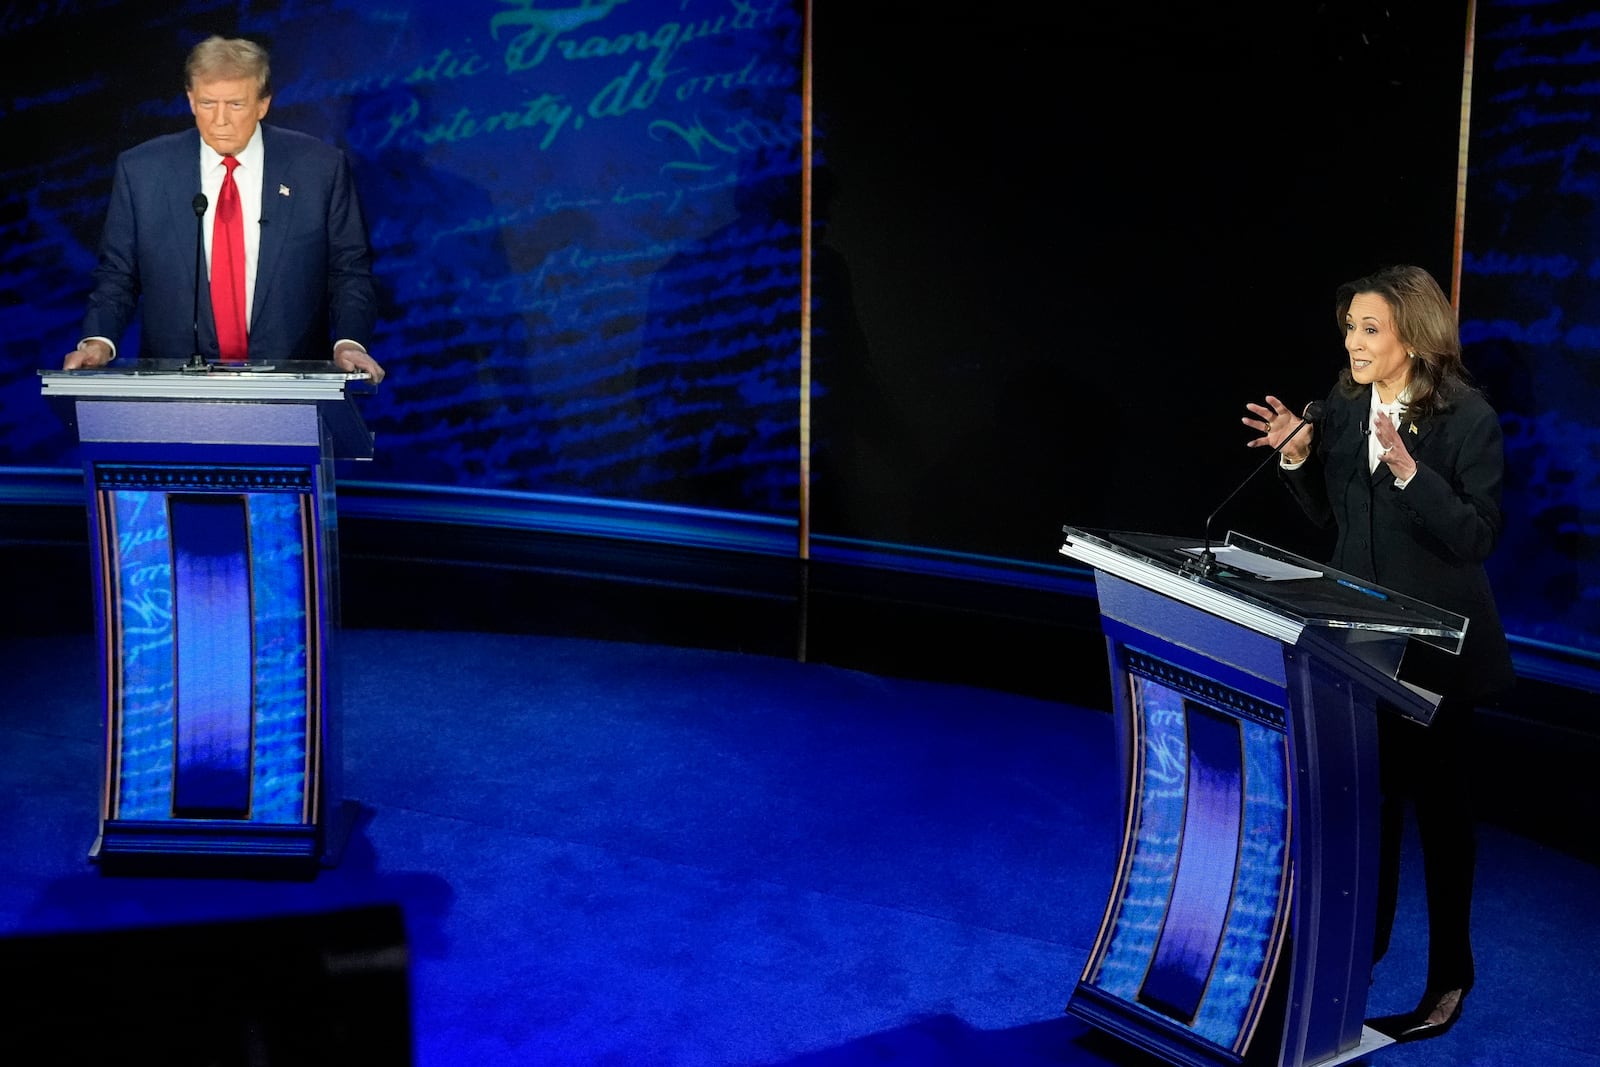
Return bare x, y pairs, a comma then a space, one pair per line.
314, 271
1428, 540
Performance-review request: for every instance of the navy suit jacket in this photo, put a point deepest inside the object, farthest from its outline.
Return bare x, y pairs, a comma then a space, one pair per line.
1428, 540
314, 271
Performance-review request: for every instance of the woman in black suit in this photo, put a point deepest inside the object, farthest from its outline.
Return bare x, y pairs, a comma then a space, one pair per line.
1407, 467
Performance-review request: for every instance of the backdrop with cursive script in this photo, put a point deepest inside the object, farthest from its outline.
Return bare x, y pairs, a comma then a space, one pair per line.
585, 221
1530, 314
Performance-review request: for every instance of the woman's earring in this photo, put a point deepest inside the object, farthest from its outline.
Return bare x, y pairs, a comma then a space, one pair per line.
1413, 355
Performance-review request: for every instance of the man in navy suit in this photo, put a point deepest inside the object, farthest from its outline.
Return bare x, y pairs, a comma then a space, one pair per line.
307, 282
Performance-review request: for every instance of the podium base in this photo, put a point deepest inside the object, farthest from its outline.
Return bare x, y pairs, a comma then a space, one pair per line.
199, 848
1371, 1041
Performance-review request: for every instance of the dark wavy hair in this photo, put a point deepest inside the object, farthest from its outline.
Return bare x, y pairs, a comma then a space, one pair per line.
1426, 325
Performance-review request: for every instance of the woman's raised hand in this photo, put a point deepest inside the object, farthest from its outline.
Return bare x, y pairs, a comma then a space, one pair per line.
1275, 422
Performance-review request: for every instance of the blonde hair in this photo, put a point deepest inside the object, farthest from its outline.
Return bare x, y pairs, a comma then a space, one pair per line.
228, 57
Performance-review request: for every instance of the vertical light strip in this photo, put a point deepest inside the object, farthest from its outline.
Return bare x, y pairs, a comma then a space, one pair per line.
1190, 946
316, 729
1461, 156
110, 623
210, 538
806, 132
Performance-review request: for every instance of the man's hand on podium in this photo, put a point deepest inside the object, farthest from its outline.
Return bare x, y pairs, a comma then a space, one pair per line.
353, 359
90, 353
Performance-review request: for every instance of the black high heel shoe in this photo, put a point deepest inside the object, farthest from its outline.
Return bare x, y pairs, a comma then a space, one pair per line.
1414, 1025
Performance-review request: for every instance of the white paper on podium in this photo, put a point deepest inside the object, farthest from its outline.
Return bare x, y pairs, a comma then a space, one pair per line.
1253, 563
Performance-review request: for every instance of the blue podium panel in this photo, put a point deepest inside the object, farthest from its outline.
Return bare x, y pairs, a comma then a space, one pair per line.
1198, 914
213, 624
211, 619
212, 585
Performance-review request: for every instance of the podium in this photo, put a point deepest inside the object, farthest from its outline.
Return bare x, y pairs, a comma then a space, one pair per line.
213, 536
1239, 926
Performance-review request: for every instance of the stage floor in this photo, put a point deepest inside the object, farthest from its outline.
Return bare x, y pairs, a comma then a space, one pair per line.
611, 852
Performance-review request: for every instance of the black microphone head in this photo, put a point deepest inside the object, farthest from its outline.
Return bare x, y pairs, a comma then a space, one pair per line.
1313, 412
199, 204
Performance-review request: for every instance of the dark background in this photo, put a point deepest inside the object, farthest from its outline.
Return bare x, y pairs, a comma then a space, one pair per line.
1082, 238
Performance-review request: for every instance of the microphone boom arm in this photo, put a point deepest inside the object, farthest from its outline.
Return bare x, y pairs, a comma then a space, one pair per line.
1207, 562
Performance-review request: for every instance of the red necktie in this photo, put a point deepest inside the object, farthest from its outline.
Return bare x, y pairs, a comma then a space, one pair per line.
227, 269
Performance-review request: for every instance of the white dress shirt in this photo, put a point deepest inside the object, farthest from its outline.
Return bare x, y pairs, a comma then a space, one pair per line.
1390, 411
1380, 410
247, 176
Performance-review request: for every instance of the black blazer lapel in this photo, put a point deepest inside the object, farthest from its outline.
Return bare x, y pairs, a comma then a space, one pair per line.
1415, 433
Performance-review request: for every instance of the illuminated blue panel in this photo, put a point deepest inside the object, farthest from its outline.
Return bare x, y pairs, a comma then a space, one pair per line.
1153, 861
211, 583
279, 525
281, 677
1203, 885
1260, 891
144, 621
1255, 856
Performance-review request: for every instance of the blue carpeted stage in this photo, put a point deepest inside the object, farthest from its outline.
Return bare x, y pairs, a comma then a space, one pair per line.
625, 853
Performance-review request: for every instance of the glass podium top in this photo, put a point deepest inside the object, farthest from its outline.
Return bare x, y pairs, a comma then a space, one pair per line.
1274, 590
177, 380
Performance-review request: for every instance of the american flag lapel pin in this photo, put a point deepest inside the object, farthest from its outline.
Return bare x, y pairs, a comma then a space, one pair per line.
283, 190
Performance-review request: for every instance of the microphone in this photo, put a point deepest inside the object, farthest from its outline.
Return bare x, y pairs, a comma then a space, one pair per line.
198, 359
1207, 560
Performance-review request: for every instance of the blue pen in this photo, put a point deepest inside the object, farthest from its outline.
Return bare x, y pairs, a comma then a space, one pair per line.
1361, 589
